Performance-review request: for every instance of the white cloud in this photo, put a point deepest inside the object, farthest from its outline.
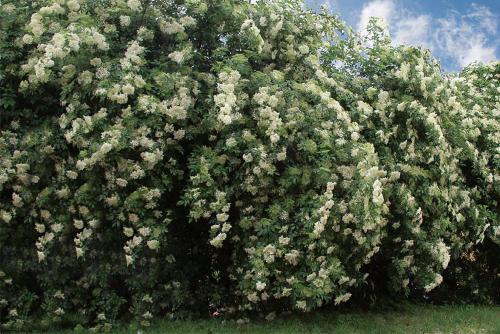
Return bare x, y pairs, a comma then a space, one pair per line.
486, 19
412, 30
405, 28
477, 52
378, 8
462, 38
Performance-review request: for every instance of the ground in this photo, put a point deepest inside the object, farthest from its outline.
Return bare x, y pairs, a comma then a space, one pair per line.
407, 319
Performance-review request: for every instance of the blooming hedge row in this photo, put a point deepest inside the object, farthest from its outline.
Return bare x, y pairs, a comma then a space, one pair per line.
156, 155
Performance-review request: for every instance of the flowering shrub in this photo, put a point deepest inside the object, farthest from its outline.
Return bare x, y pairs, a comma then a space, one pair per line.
159, 154
420, 125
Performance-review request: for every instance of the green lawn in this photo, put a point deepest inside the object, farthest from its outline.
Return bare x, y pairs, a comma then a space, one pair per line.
409, 319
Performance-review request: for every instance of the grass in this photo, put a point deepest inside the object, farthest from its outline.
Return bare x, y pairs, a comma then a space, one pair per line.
407, 319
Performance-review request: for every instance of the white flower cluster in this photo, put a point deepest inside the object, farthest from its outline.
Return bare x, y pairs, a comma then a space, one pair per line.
172, 26
132, 55
442, 254
138, 238
438, 279
221, 227
269, 119
226, 99
324, 211
135, 5
249, 29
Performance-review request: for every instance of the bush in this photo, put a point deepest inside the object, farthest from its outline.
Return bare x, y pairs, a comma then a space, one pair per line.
158, 156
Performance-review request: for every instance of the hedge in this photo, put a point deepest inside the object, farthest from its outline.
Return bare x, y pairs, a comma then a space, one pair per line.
166, 157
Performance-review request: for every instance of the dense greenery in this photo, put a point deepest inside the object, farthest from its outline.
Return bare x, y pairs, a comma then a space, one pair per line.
159, 156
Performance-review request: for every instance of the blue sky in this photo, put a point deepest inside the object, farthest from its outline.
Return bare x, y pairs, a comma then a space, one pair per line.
458, 32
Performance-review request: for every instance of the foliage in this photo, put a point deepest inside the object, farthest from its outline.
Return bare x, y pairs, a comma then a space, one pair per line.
157, 156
